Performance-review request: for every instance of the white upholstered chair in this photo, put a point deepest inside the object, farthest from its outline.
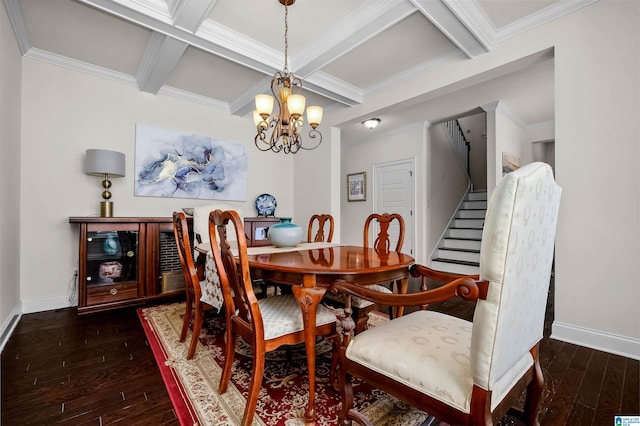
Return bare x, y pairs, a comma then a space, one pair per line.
211, 291
465, 372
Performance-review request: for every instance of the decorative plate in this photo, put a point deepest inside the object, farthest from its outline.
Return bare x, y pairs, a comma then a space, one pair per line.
266, 205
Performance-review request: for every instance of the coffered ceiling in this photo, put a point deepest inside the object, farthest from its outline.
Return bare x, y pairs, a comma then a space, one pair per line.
224, 52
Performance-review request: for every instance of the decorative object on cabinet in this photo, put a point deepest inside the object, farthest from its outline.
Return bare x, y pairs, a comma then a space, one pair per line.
257, 230
171, 163
266, 205
287, 123
105, 163
126, 261
357, 186
285, 233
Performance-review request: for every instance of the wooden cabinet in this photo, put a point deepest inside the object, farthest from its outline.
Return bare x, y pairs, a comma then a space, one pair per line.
257, 228
126, 261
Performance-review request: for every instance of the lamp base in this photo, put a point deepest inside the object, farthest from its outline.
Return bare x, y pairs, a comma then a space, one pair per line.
106, 209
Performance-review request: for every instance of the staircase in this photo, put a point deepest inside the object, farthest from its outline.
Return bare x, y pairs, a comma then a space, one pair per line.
459, 248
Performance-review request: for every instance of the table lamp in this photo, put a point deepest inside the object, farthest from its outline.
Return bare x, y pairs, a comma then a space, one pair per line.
104, 163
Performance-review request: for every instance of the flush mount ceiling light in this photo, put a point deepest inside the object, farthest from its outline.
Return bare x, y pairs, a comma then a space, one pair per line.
371, 123
287, 123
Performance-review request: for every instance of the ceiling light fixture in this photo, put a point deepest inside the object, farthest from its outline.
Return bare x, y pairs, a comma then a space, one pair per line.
287, 123
371, 123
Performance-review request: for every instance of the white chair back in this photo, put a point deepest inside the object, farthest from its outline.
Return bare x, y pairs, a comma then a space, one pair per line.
201, 219
516, 257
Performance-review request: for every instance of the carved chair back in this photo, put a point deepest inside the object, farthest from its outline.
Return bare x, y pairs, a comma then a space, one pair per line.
383, 239
318, 222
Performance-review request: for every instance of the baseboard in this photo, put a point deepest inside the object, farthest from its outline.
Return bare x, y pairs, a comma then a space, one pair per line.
607, 342
50, 304
9, 325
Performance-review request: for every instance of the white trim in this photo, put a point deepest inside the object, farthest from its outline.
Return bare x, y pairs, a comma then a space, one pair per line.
9, 325
608, 342
41, 305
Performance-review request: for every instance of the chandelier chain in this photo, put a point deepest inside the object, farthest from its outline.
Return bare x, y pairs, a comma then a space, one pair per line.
286, 38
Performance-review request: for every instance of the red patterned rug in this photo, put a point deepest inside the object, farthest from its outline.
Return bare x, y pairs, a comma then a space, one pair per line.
193, 384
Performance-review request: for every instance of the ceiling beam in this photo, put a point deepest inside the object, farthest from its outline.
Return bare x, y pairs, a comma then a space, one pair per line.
444, 18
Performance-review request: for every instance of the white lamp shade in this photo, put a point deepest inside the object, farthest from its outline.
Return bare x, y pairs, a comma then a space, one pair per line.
295, 103
314, 115
264, 104
256, 117
99, 162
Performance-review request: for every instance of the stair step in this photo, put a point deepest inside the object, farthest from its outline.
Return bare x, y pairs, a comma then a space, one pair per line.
482, 205
464, 233
480, 195
459, 255
469, 223
462, 244
466, 268
471, 214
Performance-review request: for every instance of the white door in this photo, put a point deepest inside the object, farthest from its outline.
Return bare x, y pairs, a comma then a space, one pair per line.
394, 193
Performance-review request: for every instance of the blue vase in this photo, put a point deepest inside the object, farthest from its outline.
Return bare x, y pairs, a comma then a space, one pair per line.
285, 233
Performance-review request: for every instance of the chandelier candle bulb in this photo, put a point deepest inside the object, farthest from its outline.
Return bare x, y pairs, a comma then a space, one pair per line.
296, 105
264, 105
314, 116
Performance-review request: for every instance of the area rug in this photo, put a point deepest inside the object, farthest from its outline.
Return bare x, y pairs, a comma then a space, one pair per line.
192, 384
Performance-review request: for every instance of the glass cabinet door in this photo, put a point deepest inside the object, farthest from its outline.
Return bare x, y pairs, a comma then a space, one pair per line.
112, 256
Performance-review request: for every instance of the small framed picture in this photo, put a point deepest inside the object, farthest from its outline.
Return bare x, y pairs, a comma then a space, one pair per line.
357, 186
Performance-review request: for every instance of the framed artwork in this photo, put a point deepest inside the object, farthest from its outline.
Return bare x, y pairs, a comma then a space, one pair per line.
171, 163
357, 186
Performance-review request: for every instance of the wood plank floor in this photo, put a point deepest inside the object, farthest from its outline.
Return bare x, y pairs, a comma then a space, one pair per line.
58, 368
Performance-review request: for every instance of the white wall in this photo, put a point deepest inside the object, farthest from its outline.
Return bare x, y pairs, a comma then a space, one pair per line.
597, 131
10, 109
597, 82
64, 113
360, 156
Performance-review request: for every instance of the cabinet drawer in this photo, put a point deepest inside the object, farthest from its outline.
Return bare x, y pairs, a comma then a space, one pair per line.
105, 293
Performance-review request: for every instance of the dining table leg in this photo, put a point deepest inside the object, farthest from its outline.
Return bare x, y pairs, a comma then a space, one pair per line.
309, 296
403, 285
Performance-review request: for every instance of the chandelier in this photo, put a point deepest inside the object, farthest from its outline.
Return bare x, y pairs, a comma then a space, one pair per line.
286, 124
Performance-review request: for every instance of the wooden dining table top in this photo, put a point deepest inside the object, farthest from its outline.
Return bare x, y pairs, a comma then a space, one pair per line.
333, 261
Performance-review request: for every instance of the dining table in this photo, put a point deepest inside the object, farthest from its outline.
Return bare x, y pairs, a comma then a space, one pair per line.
315, 266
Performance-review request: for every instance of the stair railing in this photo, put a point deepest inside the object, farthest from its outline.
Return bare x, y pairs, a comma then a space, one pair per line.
460, 145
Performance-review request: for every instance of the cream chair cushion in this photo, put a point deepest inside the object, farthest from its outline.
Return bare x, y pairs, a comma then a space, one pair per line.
282, 315
425, 350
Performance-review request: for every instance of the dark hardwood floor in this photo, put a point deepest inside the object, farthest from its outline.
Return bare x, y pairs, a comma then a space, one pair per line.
59, 368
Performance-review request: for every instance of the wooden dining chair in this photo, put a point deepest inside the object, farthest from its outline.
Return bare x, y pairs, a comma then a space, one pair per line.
193, 285
383, 241
458, 371
318, 222
265, 324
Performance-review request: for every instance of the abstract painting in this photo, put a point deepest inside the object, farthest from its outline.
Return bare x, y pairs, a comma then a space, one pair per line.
171, 163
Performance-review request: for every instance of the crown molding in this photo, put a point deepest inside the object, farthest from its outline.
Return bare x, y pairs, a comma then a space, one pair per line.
16, 18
